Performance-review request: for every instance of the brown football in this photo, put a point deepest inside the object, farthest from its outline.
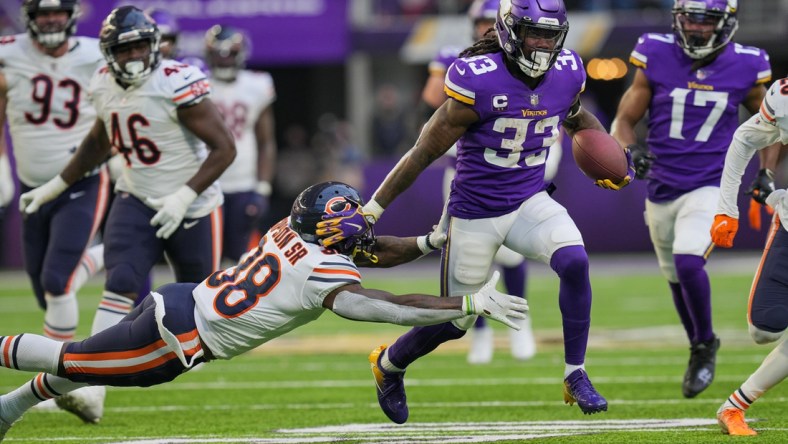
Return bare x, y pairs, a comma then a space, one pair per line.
599, 156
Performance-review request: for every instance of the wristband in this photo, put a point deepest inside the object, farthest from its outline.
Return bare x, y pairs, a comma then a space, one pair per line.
373, 207
263, 188
468, 306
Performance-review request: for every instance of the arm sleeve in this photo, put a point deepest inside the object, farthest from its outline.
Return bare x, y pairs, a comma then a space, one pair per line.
751, 136
362, 308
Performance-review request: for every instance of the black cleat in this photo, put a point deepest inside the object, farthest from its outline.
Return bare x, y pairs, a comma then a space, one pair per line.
700, 370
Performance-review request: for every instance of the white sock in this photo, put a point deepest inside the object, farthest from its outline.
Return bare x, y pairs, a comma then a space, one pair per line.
62, 316
112, 308
771, 372
92, 262
30, 353
571, 368
44, 386
387, 365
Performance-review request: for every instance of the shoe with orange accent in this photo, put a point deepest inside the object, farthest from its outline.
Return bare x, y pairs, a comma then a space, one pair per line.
732, 422
87, 403
390, 387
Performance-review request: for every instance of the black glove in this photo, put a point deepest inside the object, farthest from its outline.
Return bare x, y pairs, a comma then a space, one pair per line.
641, 159
762, 186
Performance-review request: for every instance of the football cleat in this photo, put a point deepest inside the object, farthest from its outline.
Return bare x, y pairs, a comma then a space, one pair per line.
732, 422
86, 403
523, 344
481, 351
44, 406
390, 387
578, 388
700, 370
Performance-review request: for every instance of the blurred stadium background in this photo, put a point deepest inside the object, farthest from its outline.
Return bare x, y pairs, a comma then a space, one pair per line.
349, 73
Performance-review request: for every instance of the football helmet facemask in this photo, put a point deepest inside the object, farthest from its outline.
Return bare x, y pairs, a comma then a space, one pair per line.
532, 33
702, 27
326, 199
54, 35
226, 50
127, 25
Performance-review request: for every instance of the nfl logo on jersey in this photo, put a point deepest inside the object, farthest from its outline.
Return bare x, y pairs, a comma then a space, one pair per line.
534, 99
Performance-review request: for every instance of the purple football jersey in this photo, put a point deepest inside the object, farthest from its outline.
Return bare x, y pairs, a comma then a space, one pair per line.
501, 158
693, 114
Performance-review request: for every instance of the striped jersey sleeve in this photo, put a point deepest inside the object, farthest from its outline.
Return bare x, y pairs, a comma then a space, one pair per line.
336, 272
459, 84
189, 85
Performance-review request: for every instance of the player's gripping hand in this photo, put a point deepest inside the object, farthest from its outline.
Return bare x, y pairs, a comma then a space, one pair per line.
492, 304
641, 160
172, 208
723, 230
762, 185
610, 185
344, 225
31, 201
777, 200
435, 239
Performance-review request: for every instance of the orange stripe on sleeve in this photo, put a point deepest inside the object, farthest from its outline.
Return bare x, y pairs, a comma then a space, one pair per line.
335, 271
766, 114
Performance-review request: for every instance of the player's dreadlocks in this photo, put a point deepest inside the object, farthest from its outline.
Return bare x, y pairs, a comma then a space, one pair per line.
486, 45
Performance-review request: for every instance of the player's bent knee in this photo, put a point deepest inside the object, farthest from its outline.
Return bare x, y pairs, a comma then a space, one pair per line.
53, 282
122, 279
764, 337
570, 261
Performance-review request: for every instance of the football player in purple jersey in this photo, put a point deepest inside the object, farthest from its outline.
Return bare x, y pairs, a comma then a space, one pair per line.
523, 346
691, 82
509, 93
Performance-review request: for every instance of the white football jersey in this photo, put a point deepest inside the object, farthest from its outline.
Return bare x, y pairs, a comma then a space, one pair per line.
241, 103
142, 123
48, 111
768, 126
278, 287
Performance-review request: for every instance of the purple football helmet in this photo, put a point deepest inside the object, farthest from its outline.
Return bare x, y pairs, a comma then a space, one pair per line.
532, 33
704, 26
50, 37
483, 10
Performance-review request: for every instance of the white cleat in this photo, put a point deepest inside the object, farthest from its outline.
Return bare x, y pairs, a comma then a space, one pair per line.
86, 403
522, 342
481, 346
46, 406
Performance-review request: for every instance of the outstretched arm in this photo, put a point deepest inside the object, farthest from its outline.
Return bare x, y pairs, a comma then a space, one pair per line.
632, 107
361, 304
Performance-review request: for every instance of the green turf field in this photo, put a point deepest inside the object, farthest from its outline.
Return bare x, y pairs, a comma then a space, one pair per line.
314, 384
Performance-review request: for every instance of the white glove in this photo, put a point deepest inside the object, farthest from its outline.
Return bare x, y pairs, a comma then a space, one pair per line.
172, 208
435, 239
777, 200
6, 182
116, 165
492, 304
31, 201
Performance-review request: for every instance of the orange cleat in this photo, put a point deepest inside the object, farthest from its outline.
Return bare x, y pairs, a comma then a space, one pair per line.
732, 422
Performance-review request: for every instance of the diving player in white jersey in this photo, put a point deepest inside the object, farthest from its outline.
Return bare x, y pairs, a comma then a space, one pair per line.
290, 279
768, 305
245, 99
175, 145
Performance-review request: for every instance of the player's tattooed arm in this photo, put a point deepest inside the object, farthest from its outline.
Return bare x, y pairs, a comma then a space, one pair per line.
443, 129
94, 150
